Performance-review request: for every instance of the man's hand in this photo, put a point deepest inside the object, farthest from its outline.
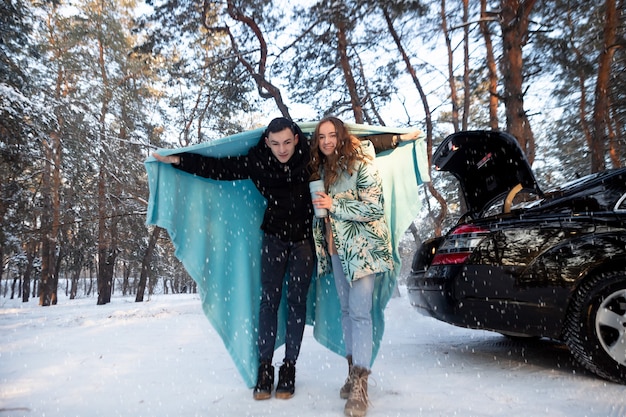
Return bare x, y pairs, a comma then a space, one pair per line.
170, 159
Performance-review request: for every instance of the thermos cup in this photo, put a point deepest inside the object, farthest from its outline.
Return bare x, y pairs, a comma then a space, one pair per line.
315, 186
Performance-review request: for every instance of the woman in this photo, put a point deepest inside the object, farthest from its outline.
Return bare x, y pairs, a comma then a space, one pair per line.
353, 243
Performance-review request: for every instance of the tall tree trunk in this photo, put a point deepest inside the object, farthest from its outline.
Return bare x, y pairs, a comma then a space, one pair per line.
104, 244
145, 264
89, 284
616, 146
125, 277
16, 279
35, 289
2, 210
56, 209
514, 20
492, 68
107, 271
599, 138
57, 269
74, 281
47, 238
106, 250
52, 202
105, 278
344, 60
467, 96
31, 249
451, 80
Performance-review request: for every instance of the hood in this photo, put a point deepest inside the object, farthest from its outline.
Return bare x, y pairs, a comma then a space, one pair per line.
488, 165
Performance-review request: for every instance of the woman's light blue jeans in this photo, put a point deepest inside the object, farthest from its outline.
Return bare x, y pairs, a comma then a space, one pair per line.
356, 314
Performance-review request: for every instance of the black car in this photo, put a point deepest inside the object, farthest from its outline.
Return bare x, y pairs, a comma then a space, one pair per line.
526, 262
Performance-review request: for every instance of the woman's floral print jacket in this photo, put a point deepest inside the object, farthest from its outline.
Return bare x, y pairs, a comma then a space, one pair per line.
357, 221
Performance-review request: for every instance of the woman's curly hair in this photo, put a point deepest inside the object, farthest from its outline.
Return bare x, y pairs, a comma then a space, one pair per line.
347, 153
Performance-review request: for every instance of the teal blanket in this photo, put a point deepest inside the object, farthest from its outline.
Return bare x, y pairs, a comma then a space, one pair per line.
215, 229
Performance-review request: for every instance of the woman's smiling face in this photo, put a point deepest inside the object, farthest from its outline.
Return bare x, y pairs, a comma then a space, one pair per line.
327, 138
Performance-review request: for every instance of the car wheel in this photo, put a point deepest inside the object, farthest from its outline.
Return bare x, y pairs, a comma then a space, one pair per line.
596, 326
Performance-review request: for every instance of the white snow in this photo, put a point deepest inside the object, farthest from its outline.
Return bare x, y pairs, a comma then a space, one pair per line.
162, 358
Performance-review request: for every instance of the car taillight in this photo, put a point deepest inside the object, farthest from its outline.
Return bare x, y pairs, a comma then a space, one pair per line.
459, 244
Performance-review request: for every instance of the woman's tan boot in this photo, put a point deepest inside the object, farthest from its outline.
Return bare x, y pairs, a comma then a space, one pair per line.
358, 401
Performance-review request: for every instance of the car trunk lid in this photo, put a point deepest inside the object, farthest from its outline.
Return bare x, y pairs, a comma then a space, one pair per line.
488, 165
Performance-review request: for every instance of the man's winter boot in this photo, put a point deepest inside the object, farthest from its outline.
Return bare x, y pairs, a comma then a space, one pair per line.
264, 382
344, 392
357, 403
286, 380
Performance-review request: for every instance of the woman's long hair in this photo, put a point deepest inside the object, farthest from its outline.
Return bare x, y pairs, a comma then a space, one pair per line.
347, 153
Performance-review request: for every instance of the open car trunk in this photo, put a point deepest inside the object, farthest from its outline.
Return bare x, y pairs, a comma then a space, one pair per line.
489, 165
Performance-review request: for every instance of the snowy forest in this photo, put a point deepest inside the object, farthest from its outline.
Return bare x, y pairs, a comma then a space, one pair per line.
88, 88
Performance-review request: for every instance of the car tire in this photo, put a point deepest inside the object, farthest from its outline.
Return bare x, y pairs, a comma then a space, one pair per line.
595, 330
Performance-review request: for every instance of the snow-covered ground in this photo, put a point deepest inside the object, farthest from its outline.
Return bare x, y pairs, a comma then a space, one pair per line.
162, 358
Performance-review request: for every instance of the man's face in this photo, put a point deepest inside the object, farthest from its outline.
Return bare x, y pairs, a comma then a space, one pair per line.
327, 138
282, 144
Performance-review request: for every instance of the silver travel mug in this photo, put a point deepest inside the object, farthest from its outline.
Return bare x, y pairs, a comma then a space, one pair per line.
315, 186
